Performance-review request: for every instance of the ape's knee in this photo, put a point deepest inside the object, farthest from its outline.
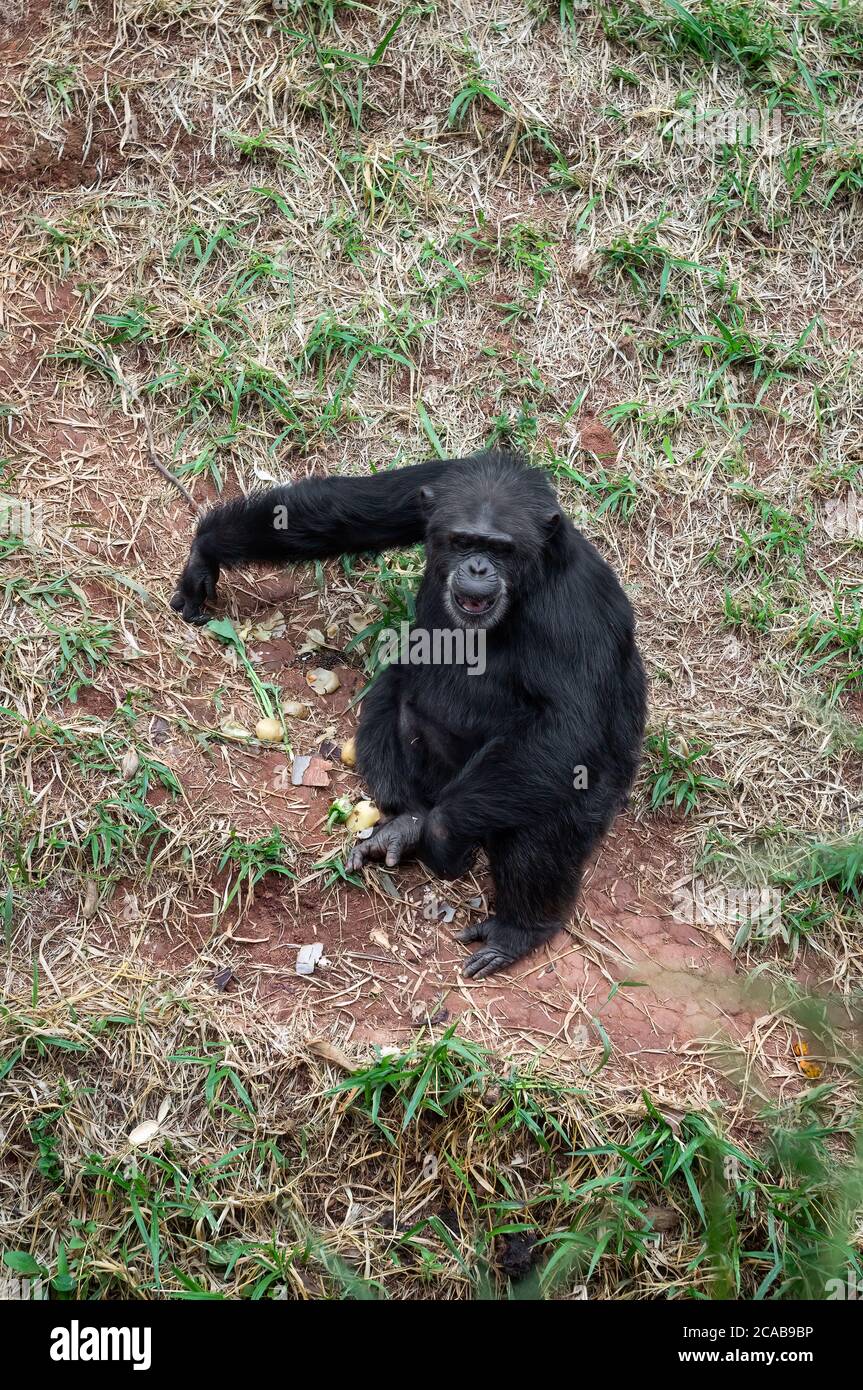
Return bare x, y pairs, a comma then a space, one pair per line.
446, 856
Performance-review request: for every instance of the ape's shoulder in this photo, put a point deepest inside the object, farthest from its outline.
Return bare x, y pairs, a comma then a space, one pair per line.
588, 574
580, 617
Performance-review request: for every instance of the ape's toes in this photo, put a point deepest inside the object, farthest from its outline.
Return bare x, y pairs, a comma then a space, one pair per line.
477, 931
504, 944
486, 962
178, 602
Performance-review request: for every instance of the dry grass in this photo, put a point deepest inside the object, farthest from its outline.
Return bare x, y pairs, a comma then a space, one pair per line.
269, 242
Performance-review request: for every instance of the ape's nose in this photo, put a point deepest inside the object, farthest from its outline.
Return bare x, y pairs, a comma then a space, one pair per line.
478, 567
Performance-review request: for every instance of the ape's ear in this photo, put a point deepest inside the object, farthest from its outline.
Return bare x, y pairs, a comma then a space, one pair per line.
552, 521
426, 498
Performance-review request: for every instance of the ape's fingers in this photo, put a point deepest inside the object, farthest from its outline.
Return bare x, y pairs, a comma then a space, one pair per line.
356, 859
366, 850
189, 609
187, 600
195, 587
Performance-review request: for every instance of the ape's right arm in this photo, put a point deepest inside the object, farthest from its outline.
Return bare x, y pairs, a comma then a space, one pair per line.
310, 520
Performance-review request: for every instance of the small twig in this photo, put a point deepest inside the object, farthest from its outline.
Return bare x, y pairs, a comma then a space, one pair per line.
132, 395
157, 463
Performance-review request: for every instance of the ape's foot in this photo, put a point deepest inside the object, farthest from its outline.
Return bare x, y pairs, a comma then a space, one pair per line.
504, 944
392, 841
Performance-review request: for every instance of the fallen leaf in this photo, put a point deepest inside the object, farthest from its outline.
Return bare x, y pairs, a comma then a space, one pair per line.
143, 1133
130, 764
316, 640
130, 912
328, 1052
273, 626
672, 1117
388, 884
662, 1218
360, 620
229, 728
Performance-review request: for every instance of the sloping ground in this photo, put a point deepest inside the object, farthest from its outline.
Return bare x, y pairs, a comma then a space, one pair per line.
281, 259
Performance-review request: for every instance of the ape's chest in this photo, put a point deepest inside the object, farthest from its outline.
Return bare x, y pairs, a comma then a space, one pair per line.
432, 743
447, 714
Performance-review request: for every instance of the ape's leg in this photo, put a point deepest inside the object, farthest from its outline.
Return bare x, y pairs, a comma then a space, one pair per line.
392, 766
384, 761
536, 876
388, 769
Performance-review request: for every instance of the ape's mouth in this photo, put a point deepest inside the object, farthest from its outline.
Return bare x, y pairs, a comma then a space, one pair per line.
474, 604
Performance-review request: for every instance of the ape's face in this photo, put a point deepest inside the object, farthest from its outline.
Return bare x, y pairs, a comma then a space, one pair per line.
478, 570
487, 535
481, 556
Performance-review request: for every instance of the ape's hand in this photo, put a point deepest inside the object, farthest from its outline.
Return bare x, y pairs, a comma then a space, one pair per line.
392, 841
195, 587
504, 944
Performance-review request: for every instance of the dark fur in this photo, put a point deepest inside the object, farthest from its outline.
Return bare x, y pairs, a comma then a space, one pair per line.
456, 760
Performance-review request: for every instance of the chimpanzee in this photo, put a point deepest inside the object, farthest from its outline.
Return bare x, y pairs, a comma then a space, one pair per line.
531, 758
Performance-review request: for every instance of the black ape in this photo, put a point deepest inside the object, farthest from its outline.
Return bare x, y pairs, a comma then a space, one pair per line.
530, 759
